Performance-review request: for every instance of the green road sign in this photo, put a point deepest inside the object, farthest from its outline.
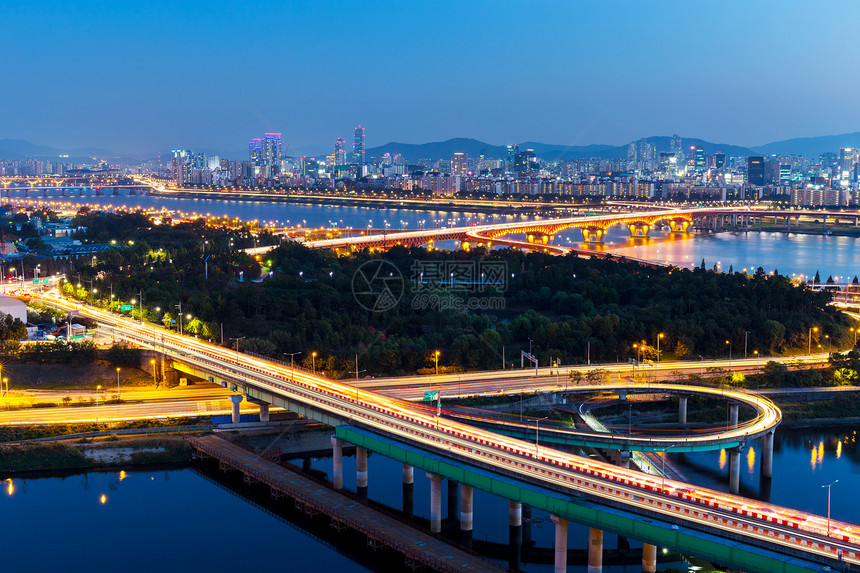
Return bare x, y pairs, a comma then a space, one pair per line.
46, 281
35, 281
125, 307
430, 396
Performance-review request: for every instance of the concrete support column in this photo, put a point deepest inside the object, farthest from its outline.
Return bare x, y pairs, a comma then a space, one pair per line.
264, 413
527, 524
465, 507
453, 499
435, 502
515, 514
236, 399
360, 467
767, 455
595, 550
561, 544
734, 470
649, 558
408, 491
682, 410
337, 462
733, 415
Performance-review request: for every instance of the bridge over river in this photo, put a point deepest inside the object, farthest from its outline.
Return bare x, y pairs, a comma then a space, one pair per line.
723, 528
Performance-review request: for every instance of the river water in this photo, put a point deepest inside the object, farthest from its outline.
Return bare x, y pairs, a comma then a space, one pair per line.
179, 520
791, 254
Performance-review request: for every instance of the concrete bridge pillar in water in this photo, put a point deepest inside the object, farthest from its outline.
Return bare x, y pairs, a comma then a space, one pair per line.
337, 462
435, 502
682, 410
561, 545
649, 558
679, 225
639, 229
361, 469
592, 234
767, 455
538, 237
236, 399
595, 550
408, 491
466, 514
515, 535
734, 470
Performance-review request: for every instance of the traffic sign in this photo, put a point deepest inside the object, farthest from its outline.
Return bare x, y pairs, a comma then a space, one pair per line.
125, 307
46, 281
430, 396
35, 281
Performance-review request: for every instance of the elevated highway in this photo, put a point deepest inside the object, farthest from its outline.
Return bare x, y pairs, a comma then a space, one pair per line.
728, 529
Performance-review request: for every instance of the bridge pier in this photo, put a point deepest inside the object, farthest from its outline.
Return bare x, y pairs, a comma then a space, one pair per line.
592, 235
453, 500
435, 502
361, 468
649, 558
561, 545
734, 470
679, 225
527, 524
515, 535
264, 413
408, 491
466, 514
337, 462
595, 550
733, 415
682, 410
236, 399
767, 455
638, 229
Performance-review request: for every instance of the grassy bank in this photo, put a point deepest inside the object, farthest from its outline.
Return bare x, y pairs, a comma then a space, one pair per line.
93, 453
37, 431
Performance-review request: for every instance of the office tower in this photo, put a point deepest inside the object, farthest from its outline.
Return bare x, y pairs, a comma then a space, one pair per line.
719, 160
755, 170
255, 151
271, 148
511, 159
358, 146
699, 159
459, 163
339, 152
181, 166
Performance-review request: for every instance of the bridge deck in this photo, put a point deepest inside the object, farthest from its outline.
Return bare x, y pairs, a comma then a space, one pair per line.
414, 544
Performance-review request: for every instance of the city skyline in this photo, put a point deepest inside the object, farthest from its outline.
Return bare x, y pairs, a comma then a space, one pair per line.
113, 76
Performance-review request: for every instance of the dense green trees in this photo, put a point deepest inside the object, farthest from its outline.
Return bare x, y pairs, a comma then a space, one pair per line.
565, 305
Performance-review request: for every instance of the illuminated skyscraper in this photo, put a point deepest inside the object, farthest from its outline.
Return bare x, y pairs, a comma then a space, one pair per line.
339, 152
459, 163
358, 146
755, 170
255, 151
271, 148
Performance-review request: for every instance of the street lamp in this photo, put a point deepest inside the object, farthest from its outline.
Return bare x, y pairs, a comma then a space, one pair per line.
809, 342
436, 357
154, 379
829, 344
314, 361
98, 388
729, 342
237, 339
537, 432
854, 330
117, 383
828, 486
755, 353
659, 336
291, 362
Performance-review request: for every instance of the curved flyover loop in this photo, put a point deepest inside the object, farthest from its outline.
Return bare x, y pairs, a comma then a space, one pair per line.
767, 418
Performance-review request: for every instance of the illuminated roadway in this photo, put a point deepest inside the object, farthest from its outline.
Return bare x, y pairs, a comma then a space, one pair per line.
785, 530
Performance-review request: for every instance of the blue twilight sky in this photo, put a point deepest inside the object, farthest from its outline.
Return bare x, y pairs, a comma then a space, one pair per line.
139, 76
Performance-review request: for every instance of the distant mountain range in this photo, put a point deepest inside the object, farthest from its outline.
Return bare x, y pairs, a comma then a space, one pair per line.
11, 149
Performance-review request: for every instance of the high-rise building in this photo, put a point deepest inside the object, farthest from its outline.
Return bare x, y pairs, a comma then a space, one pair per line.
513, 151
271, 148
358, 146
698, 155
181, 167
459, 163
255, 151
755, 170
719, 160
339, 152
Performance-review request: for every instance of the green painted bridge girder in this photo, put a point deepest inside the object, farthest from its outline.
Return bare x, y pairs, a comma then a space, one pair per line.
728, 552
